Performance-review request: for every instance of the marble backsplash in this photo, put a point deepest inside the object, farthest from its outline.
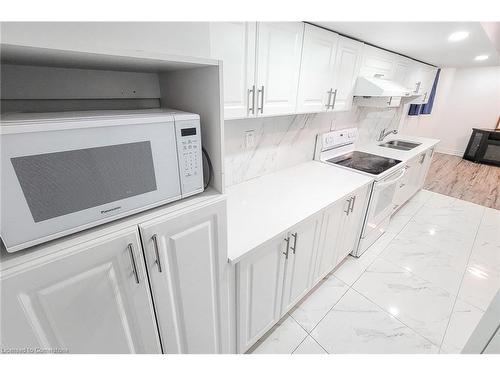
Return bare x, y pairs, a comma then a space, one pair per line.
284, 141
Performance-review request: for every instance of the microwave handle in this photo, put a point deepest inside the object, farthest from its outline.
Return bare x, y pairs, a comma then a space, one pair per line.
385, 183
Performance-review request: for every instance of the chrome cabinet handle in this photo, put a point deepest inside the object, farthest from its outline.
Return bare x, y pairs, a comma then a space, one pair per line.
390, 101
157, 251
251, 95
353, 201
329, 92
422, 158
334, 99
130, 248
417, 87
348, 206
261, 93
287, 240
294, 235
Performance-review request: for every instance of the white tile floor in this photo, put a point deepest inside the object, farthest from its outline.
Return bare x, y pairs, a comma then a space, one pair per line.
422, 288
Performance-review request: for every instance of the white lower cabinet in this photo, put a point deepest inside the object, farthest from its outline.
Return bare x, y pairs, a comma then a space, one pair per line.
110, 294
259, 288
300, 251
341, 230
186, 257
278, 274
425, 164
89, 298
414, 178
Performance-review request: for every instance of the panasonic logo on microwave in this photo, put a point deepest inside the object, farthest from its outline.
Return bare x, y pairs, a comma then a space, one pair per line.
110, 209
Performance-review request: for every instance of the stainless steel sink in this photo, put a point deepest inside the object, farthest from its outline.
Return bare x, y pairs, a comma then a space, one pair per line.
400, 145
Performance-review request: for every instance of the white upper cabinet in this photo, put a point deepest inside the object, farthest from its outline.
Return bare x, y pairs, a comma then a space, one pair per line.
234, 44
347, 64
317, 70
377, 62
186, 258
92, 297
402, 72
279, 46
421, 80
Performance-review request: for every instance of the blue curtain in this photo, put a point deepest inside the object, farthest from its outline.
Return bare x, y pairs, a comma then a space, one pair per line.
425, 109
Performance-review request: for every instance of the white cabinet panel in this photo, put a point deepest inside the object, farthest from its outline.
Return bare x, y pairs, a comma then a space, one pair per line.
186, 257
421, 79
302, 246
354, 222
279, 46
331, 234
377, 62
234, 43
347, 65
402, 70
317, 70
425, 163
87, 299
259, 290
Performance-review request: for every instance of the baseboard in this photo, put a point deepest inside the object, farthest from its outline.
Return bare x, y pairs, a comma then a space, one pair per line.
450, 151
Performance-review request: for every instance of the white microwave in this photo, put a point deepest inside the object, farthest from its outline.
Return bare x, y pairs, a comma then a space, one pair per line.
65, 172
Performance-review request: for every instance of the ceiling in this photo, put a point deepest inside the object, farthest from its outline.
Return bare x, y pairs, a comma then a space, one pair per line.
428, 41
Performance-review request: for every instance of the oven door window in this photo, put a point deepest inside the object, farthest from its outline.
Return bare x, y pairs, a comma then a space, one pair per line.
60, 183
383, 206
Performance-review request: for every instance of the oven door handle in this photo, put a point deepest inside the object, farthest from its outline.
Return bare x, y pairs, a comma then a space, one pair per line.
385, 183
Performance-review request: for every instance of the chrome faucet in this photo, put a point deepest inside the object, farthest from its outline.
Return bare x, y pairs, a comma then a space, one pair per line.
384, 133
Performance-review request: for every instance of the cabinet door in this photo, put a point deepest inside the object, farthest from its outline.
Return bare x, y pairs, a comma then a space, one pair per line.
422, 79
331, 234
234, 44
88, 298
354, 223
408, 184
425, 163
428, 76
347, 64
317, 70
402, 70
186, 256
259, 288
377, 62
279, 46
303, 240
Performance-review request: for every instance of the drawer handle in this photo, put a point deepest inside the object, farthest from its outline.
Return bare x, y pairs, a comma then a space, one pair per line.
130, 248
157, 251
353, 201
251, 96
261, 92
294, 235
287, 240
348, 206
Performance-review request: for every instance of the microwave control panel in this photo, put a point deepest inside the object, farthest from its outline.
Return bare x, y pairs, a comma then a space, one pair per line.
190, 156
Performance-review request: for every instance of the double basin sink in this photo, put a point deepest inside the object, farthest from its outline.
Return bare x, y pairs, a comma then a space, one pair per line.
400, 145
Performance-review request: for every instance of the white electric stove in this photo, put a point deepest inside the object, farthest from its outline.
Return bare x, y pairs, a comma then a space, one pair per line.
337, 148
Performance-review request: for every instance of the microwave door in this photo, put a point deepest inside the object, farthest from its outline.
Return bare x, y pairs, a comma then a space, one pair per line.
62, 181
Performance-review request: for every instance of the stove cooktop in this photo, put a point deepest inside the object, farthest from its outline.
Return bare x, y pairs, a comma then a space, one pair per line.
365, 162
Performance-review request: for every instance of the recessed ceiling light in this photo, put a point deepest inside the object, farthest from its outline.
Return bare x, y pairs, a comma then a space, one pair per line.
481, 57
458, 35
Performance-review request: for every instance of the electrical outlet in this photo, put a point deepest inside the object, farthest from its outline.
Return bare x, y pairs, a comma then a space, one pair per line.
249, 138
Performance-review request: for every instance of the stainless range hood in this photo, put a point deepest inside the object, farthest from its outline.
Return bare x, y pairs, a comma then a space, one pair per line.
380, 92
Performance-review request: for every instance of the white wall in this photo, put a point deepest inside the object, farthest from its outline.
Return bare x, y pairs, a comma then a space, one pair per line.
466, 98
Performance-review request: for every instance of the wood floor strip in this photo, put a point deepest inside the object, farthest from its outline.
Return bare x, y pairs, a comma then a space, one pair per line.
453, 176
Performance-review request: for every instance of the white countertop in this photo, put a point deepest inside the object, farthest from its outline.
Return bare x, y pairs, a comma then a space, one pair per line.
404, 156
260, 209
